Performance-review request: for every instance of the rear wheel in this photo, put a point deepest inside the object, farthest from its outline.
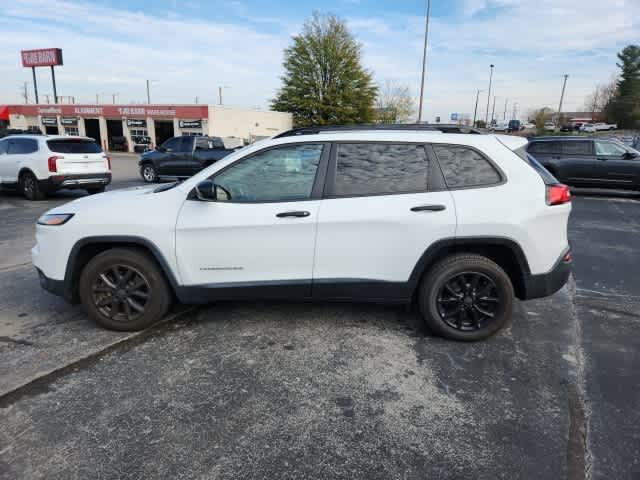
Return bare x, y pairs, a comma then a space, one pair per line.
123, 289
466, 297
149, 173
30, 188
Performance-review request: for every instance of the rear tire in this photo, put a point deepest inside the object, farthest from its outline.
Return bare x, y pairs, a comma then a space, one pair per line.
148, 173
93, 191
466, 297
124, 289
30, 188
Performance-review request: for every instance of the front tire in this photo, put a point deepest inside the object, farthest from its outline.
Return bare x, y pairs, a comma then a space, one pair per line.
30, 188
124, 289
466, 297
148, 173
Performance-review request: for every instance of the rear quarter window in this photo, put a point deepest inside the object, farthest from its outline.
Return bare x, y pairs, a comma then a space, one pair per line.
544, 148
73, 146
465, 167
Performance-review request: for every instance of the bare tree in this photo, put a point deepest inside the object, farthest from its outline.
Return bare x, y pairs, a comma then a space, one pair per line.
394, 103
597, 101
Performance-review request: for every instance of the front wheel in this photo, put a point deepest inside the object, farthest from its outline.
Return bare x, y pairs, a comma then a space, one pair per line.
466, 297
148, 173
124, 289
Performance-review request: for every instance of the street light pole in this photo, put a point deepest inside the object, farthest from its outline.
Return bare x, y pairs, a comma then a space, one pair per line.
486, 117
424, 60
475, 110
564, 85
504, 116
148, 95
493, 111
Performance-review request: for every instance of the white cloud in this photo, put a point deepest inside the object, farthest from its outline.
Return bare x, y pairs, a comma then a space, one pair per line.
532, 44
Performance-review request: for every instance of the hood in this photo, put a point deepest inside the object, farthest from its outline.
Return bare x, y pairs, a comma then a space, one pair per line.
115, 197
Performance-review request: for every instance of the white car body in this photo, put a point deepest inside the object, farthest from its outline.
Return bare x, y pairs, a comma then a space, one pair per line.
207, 248
550, 127
53, 169
598, 127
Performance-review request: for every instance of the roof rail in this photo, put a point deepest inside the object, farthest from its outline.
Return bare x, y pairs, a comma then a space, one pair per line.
444, 128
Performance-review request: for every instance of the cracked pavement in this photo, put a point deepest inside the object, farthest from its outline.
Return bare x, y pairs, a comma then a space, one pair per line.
282, 390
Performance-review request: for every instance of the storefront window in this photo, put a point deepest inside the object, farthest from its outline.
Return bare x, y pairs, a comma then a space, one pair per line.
71, 130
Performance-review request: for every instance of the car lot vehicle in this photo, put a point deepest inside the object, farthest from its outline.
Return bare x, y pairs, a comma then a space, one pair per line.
529, 126
181, 157
549, 126
588, 162
39, 164
598, 127
457, 224
499, 127
514, 126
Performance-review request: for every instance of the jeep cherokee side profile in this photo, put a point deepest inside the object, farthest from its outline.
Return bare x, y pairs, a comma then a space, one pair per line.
459, 224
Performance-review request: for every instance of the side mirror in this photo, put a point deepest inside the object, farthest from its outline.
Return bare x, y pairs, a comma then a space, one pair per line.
207, 191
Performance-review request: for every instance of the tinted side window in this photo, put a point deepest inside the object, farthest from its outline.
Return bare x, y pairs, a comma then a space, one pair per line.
464, 167
202, 143
73, 146
21, 146
172, 143
185, 144
370, 169
577, 148
544, 147
275, 175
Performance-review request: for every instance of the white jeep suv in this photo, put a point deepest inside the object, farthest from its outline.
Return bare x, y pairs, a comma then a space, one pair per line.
458, 224
38, 164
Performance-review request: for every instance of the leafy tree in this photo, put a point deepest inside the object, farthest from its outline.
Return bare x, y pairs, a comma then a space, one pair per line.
625, 106
324, 82
394, 104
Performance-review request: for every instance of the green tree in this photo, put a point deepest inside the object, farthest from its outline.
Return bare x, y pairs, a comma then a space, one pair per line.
624, 108
324, 82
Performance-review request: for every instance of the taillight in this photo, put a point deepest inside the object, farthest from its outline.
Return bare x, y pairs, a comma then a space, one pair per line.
53, 163
108, 161
558, 194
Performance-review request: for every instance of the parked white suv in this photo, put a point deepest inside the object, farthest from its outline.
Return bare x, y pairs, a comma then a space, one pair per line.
38, 164
458, 224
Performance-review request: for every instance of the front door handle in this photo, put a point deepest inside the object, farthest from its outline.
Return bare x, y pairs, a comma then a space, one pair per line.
428, 208
300, 214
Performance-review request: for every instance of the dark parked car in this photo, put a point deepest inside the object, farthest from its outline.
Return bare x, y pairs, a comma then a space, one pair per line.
181, 157
588, 162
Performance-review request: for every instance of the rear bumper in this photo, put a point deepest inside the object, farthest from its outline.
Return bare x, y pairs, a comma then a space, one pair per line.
85, 180
538, 286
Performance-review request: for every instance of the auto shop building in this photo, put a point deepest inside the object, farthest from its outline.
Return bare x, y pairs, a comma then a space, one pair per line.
135, 127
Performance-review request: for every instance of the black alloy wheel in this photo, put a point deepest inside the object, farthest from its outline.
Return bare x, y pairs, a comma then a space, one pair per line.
468, 301
121, 293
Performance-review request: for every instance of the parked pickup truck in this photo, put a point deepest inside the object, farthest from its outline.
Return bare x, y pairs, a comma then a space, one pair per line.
181, 157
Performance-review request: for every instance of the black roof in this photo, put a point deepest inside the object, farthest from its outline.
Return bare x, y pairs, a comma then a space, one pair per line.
444, 128
560, 137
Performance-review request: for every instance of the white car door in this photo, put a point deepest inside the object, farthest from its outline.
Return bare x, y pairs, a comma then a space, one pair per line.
263, 234
378, 218
5, 162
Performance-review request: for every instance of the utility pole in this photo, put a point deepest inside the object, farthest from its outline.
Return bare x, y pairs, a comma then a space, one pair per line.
196, 101
504, 116
475, 110
493, 111
46, 96
220, 95
113, 97
424, 60
97, 98
564, 85
515, 110
25, 93
148, 95
486, 117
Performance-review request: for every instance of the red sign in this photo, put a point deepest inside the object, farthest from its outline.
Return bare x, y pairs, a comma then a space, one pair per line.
115, 111
44, 57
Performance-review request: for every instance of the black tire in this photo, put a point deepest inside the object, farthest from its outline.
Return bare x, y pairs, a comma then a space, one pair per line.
93, 191
30, 188
454, 313
118, 300
148, 173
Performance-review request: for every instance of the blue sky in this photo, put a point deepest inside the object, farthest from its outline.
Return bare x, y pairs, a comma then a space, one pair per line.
189, 48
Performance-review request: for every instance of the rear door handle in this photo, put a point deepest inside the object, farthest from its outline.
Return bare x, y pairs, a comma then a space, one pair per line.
428, 208
300, 213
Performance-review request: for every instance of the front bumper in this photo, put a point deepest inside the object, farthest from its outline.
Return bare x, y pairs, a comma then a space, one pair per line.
546, 284
85, 180
57, 287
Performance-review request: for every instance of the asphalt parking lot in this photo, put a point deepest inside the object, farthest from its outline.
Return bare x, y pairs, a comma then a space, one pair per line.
277, 390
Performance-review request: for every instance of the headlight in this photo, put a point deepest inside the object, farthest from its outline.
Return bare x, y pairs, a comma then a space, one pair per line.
55, 219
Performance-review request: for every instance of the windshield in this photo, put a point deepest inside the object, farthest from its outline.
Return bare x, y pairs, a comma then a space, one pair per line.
73, 145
